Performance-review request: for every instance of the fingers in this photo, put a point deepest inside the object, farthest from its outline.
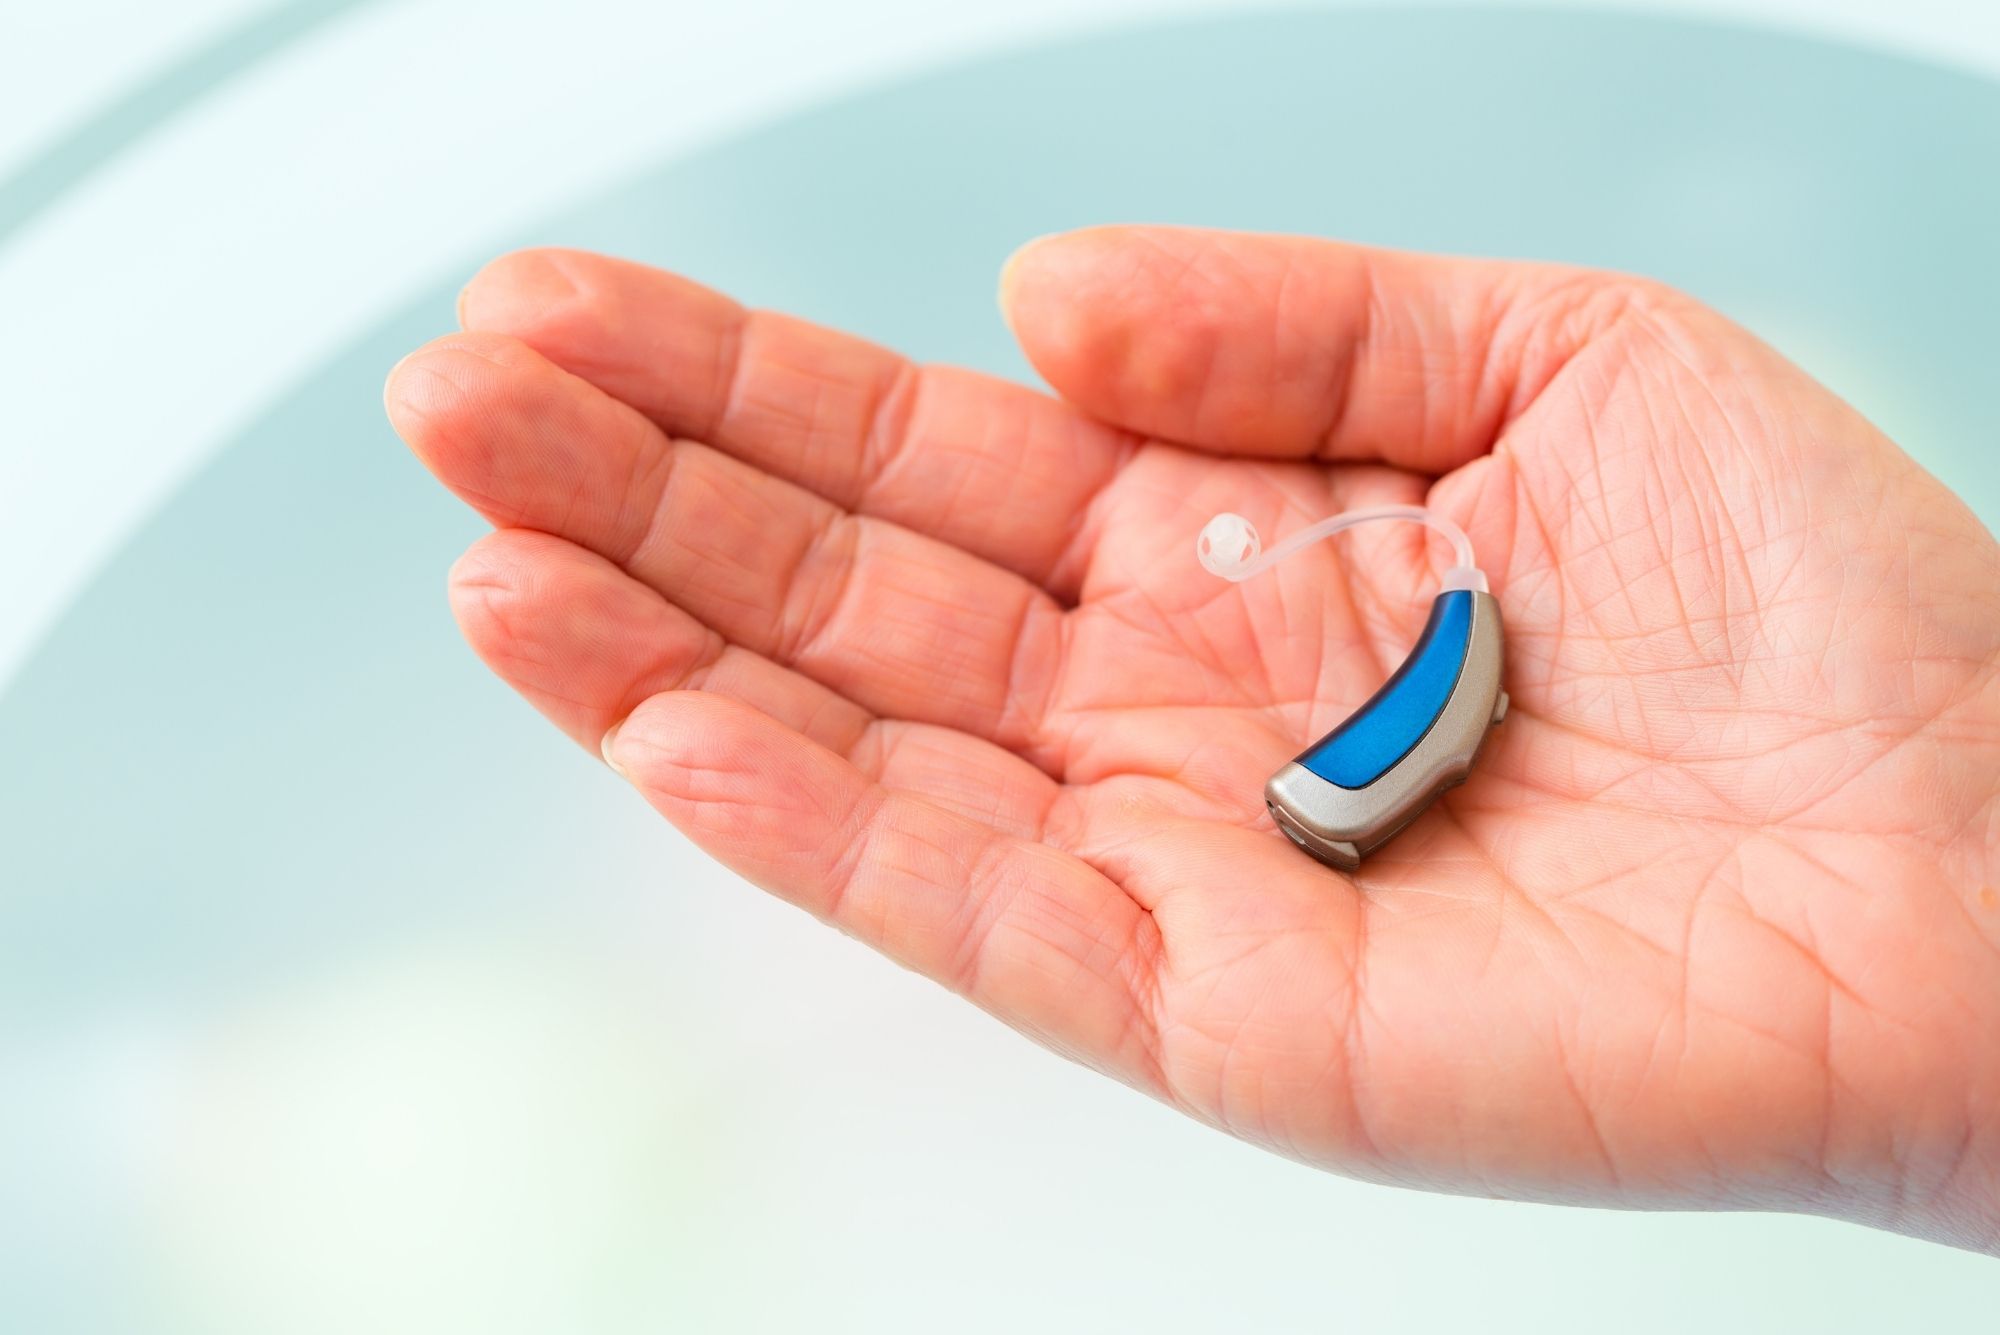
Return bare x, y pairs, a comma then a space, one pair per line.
1294, 346
901, 624
585, 643
977, 462
1029, 932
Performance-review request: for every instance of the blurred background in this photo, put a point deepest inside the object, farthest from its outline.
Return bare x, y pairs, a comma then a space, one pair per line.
338, 993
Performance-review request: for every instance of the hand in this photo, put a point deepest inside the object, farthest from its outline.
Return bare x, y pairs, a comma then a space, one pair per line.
1716, 921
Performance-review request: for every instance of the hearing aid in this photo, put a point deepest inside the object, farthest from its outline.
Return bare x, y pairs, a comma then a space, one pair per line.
1355, 789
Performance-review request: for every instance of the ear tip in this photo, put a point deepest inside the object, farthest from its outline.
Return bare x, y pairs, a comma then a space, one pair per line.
1227, 543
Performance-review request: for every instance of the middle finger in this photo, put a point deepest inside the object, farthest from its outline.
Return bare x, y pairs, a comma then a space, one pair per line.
904, 625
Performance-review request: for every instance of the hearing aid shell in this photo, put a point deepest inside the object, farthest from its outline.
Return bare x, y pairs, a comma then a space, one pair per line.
1418, 736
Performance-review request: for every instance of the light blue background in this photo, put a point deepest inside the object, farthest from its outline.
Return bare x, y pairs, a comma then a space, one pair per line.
337, 993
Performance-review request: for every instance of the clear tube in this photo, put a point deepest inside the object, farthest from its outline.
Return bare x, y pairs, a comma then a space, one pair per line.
1230, 547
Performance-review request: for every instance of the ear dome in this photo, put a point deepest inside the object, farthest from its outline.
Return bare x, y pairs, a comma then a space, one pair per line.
1228, 542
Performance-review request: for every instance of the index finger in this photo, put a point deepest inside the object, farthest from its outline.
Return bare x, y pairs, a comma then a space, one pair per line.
993, 467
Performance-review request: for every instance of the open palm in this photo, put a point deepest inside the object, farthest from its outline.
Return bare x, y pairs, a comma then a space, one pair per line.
930, 654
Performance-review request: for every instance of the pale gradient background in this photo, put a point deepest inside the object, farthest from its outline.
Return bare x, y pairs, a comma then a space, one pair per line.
338, 994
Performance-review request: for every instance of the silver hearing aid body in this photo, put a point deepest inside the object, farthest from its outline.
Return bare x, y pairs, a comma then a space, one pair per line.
1351, 791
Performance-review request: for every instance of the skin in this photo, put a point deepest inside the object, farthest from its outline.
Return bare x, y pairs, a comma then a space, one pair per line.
1715, 922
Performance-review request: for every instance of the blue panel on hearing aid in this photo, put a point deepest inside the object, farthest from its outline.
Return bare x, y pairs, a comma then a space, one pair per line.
1380, 733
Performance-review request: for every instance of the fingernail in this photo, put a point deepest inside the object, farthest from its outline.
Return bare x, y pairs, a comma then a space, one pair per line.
458, 307
1010, 269
608, 745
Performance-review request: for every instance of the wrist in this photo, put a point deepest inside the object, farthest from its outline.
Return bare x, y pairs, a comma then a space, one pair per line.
1964, 1207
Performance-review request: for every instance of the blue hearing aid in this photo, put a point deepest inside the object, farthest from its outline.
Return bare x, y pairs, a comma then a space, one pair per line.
1354, 789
